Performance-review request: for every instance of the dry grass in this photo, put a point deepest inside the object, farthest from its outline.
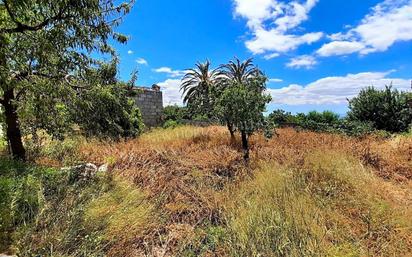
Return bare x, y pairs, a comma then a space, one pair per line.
303, 193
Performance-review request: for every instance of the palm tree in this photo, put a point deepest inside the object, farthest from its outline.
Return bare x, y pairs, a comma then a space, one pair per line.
197, 85
239, 72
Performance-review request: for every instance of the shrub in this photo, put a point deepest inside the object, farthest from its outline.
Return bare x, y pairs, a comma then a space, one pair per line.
280, 116
386, 109
170, 124
354, 128
326, 117
176, 113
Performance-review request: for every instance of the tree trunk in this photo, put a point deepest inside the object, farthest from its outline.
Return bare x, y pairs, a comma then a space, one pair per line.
245, 146
12, 126
231, 131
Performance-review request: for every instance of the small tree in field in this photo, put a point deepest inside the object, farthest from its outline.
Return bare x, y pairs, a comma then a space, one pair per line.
386, 109
244, 103
232, 73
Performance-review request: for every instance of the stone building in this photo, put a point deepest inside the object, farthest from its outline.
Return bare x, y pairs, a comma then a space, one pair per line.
150, 103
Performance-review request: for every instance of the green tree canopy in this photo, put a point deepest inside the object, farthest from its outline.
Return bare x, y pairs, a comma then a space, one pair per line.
243, 104
48, 43
386, 109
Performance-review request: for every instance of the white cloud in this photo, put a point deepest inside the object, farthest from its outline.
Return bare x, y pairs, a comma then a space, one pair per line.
296, 14
334, 90
329, 90
270, 22
277, 42
389, 22
171, 92
303, 61
275, 80
271, 56
340, 48
172, 73
141, 61
130, 52
255, 11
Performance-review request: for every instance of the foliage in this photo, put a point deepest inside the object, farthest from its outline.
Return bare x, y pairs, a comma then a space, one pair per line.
243, 105
176, 113
107, 111
353, 128
327, 117
49, 45
386, 109
325, 121
280, 117
47, 108
102, 109
170, 124
197, 87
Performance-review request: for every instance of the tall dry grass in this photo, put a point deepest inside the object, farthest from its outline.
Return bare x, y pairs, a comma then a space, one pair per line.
330, 206
302, 194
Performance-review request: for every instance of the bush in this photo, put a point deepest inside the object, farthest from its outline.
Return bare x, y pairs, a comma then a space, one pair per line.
325, 117
176, 113
280, 116
326, 121
170, 124
354, 128
386, 109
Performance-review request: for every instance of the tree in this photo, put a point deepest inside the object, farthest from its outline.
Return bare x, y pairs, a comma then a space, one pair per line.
197, 86
280, 116
235, 73
243, 104
103, 108
106, 108
50, 41
386, 109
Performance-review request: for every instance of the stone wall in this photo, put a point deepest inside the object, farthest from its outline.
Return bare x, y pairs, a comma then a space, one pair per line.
150, 103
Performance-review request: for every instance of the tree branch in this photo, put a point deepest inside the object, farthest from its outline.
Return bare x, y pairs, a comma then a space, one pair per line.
20, 27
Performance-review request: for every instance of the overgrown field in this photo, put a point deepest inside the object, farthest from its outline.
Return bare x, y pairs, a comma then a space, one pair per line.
187, 192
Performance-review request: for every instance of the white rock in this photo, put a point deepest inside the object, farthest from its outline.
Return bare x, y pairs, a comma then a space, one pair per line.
103, 168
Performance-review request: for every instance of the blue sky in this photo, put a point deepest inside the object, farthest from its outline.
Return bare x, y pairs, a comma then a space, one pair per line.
317, 53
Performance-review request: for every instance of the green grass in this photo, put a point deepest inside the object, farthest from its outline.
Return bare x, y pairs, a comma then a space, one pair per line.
121, 213
43, 212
